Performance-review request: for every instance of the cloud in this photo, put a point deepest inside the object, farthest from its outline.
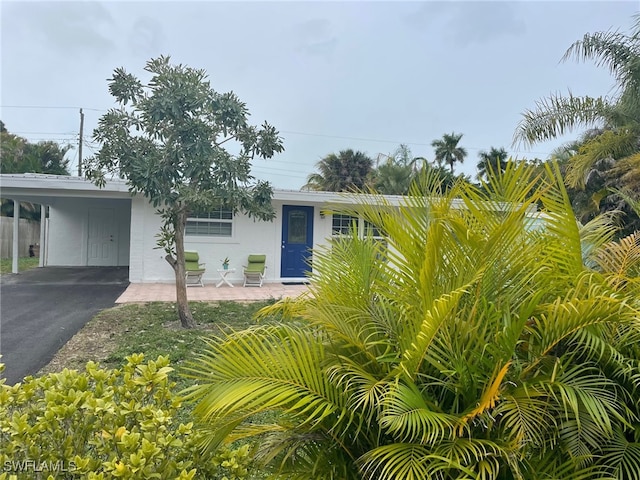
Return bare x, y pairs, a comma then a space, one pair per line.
469, 23
146, 37
73, 26
315, 37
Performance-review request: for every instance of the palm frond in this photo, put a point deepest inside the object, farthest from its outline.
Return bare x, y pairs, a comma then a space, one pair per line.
266, 368
556, 115
470, 454
614, 50
596, 233
555, 321
442, 307
526, 418
622, 457
304, 455
564, 248
584, 394
407, 417
406, 461
490, 394
620, 259
628, 170
553, 467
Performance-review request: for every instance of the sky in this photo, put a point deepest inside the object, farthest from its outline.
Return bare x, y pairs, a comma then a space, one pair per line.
328, 75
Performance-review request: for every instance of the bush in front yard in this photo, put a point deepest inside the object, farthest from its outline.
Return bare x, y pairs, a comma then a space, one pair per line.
102, 424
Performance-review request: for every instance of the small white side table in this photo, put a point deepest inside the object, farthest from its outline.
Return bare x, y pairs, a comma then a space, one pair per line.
223, 276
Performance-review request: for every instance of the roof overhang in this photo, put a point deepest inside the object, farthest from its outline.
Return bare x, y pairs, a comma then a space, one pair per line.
44, 189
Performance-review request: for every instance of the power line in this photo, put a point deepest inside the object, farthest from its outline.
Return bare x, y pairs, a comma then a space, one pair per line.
395, 142
52, 107
44, 133
289, 132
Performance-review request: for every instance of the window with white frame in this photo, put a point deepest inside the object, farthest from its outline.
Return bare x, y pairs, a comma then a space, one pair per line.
215, 223
370, 230
343, 224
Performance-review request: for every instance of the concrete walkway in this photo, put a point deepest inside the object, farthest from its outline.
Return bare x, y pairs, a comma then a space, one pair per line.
166, 292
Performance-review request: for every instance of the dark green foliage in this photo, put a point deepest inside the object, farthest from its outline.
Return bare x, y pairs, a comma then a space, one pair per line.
21, 156
447, 151
168, 139
18, 155
494, 160
606, 159
348, 170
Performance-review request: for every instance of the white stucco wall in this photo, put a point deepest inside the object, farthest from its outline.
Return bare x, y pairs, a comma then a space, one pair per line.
69, 226
250, 236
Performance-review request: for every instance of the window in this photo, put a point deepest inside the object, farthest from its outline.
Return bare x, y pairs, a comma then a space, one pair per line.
217, 223
370, 230
342, 224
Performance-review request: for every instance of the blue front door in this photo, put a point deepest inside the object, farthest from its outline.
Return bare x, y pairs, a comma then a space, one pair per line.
297, 240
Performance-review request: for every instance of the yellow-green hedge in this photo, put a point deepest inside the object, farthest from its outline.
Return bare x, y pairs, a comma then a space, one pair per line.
103, 424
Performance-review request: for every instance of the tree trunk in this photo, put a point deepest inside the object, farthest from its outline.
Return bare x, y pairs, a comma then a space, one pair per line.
182, 304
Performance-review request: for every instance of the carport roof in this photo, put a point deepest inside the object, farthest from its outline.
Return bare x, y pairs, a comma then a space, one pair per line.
43, 188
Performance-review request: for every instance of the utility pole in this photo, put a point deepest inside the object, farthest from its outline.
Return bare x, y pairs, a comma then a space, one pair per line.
80, 144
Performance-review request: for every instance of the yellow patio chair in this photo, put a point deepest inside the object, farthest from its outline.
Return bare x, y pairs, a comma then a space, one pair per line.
194, 270
254, 270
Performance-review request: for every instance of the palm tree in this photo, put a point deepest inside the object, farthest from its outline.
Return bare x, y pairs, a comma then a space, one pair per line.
616, 119
392, 179
447, 150
494, 160
348, 170
469, 344
394, 175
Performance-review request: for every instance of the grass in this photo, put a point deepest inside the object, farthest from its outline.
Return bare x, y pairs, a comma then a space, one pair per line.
24, 263
152, 329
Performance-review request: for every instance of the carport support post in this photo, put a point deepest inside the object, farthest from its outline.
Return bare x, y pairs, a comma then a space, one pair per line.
16, 227
43, 226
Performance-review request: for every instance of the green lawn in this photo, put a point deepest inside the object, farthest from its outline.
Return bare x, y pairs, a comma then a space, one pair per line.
152, 329
24, 263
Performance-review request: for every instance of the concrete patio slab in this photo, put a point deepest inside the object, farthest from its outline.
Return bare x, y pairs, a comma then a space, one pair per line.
166, 292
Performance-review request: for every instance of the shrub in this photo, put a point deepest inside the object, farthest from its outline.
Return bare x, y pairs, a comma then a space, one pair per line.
105, 423
465, 344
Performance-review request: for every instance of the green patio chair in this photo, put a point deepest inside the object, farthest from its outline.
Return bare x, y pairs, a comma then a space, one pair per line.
254, 270
194, 270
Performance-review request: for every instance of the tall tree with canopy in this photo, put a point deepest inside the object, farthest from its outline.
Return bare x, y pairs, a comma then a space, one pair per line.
493, 160
344, 171
394, 174
185, 147
611, 147
21, 156
447, 149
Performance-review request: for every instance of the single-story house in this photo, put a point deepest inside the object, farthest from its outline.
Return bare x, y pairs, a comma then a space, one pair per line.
91, 226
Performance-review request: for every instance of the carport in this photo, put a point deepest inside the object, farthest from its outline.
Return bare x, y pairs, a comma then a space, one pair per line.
81, 224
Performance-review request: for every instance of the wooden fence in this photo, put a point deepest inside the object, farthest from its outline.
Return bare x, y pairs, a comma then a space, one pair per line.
28, 234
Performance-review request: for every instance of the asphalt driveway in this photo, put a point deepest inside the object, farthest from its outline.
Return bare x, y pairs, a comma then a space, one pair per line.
41, 309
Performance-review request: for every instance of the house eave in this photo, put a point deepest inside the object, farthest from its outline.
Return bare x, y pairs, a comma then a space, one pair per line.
41, 188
